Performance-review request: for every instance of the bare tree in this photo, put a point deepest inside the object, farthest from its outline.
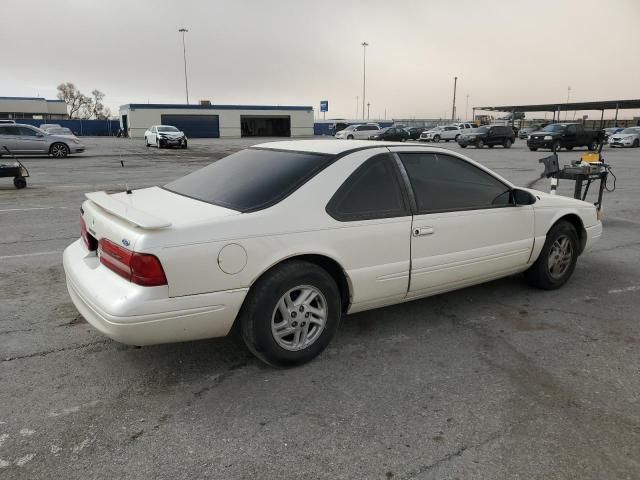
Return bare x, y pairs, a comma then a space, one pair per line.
76, 101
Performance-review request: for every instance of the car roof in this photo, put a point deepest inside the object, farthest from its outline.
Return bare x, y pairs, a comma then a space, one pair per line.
338, 147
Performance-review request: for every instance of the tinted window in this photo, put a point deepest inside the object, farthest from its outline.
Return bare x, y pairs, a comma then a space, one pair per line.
372, 191
250, 179
442, 183
26, 131
553, 128
7, 130
572, 130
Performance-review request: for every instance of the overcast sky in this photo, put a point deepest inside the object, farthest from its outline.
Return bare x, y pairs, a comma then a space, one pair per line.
298, 52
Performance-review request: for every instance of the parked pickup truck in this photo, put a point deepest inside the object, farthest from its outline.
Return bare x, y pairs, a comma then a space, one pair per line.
563, 135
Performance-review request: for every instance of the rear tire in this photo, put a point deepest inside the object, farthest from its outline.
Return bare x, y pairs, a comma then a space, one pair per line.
19, 182
276, 304
463, 146
479, 144
533, 149
350, 137
146, 142
569, 148
636, 143
59, 150
158, 146
507, 143
555, 147
592, 146
557, 260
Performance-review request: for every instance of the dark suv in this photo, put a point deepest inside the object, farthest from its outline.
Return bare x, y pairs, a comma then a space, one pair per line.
489, 135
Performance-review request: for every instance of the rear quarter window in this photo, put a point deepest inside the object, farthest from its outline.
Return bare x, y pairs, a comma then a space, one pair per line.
251, 179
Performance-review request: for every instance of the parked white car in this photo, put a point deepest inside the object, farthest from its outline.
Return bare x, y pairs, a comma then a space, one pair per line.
165, 136
284, 238
358, 132
629, 137
446, 133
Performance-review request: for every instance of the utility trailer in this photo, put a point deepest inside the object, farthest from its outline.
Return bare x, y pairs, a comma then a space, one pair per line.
15, 170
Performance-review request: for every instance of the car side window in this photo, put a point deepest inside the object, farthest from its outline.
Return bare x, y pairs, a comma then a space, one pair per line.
372, 191
571, 130
444, 183
26, 132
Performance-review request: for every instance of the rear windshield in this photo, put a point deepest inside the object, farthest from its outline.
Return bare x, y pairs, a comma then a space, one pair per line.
251, 179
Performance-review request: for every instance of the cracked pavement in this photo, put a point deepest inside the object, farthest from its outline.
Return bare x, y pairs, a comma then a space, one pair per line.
490, 382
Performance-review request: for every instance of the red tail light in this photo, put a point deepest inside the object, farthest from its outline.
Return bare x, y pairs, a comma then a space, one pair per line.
90, 242
140, 268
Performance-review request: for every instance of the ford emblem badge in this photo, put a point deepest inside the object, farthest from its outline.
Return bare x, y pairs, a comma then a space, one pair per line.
125, 242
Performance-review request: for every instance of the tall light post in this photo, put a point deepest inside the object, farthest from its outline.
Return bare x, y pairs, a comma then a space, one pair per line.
184, 54
364, 74
567, 111
466, 109
368, 105
357, 107
453, 110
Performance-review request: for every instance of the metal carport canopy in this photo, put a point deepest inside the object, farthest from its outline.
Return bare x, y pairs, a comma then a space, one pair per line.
564, 106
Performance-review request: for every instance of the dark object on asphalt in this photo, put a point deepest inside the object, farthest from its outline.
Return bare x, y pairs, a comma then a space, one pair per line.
491, 135
564, 135
15, 170
415, 132
393, 134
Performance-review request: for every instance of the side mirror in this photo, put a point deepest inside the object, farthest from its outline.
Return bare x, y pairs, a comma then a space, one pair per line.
39, 135
522, 197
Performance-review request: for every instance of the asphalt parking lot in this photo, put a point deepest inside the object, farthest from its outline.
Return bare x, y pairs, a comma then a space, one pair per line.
490, 382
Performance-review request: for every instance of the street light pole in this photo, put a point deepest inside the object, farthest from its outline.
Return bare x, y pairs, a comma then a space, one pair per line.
184, 54
567, 110
364, 73
368, 104
453, 110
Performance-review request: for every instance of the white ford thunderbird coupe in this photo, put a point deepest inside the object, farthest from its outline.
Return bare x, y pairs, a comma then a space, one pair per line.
281, 239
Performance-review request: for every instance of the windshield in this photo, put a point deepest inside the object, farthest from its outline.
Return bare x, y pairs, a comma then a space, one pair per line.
553, 128
631, 130
168, 129
251, 179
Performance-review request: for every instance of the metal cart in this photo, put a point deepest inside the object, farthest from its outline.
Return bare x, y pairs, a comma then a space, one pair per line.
15, 170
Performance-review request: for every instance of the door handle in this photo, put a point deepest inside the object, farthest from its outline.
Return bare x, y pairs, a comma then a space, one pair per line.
422, 231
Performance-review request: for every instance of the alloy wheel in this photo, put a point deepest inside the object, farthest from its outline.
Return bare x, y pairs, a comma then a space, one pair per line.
560, 256
299, 318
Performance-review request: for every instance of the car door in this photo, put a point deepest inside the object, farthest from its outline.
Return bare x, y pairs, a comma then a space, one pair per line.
8, 135
465, 229
571, 137
154, 135
372, 227
30, 140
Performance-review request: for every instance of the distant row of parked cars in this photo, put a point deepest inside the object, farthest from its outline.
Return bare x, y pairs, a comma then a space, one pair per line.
552, 136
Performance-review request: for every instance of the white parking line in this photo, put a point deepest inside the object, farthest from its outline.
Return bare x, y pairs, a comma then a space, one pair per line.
31, 208
37, 254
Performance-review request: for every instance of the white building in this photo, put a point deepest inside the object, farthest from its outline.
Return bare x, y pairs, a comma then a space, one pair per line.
32, 107
213, 121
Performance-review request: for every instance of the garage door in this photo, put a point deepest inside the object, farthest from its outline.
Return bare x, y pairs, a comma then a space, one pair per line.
194, 126
265, 125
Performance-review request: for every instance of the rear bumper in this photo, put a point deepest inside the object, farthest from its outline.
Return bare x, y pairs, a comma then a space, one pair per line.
593, 235
136, 315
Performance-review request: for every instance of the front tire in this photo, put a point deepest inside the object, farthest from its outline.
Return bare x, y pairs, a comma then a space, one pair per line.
146, 142
158, 145
507, 143
636, 143
59, 150
479, 144
533, 149
291, 314
350, 137
436, 139
184, 144
557, 260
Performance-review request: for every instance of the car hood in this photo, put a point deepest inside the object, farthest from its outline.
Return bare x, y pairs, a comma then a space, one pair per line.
171, 134
541, 133
622, 136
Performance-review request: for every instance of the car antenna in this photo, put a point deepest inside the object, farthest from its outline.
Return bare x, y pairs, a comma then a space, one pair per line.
127, 190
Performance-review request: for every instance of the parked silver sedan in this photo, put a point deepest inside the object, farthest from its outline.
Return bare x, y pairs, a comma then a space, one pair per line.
24, 139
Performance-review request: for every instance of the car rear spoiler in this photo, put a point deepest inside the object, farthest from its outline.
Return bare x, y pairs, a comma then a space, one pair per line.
127, 212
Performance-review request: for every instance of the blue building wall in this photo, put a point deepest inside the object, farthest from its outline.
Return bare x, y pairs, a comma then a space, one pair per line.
93, 128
